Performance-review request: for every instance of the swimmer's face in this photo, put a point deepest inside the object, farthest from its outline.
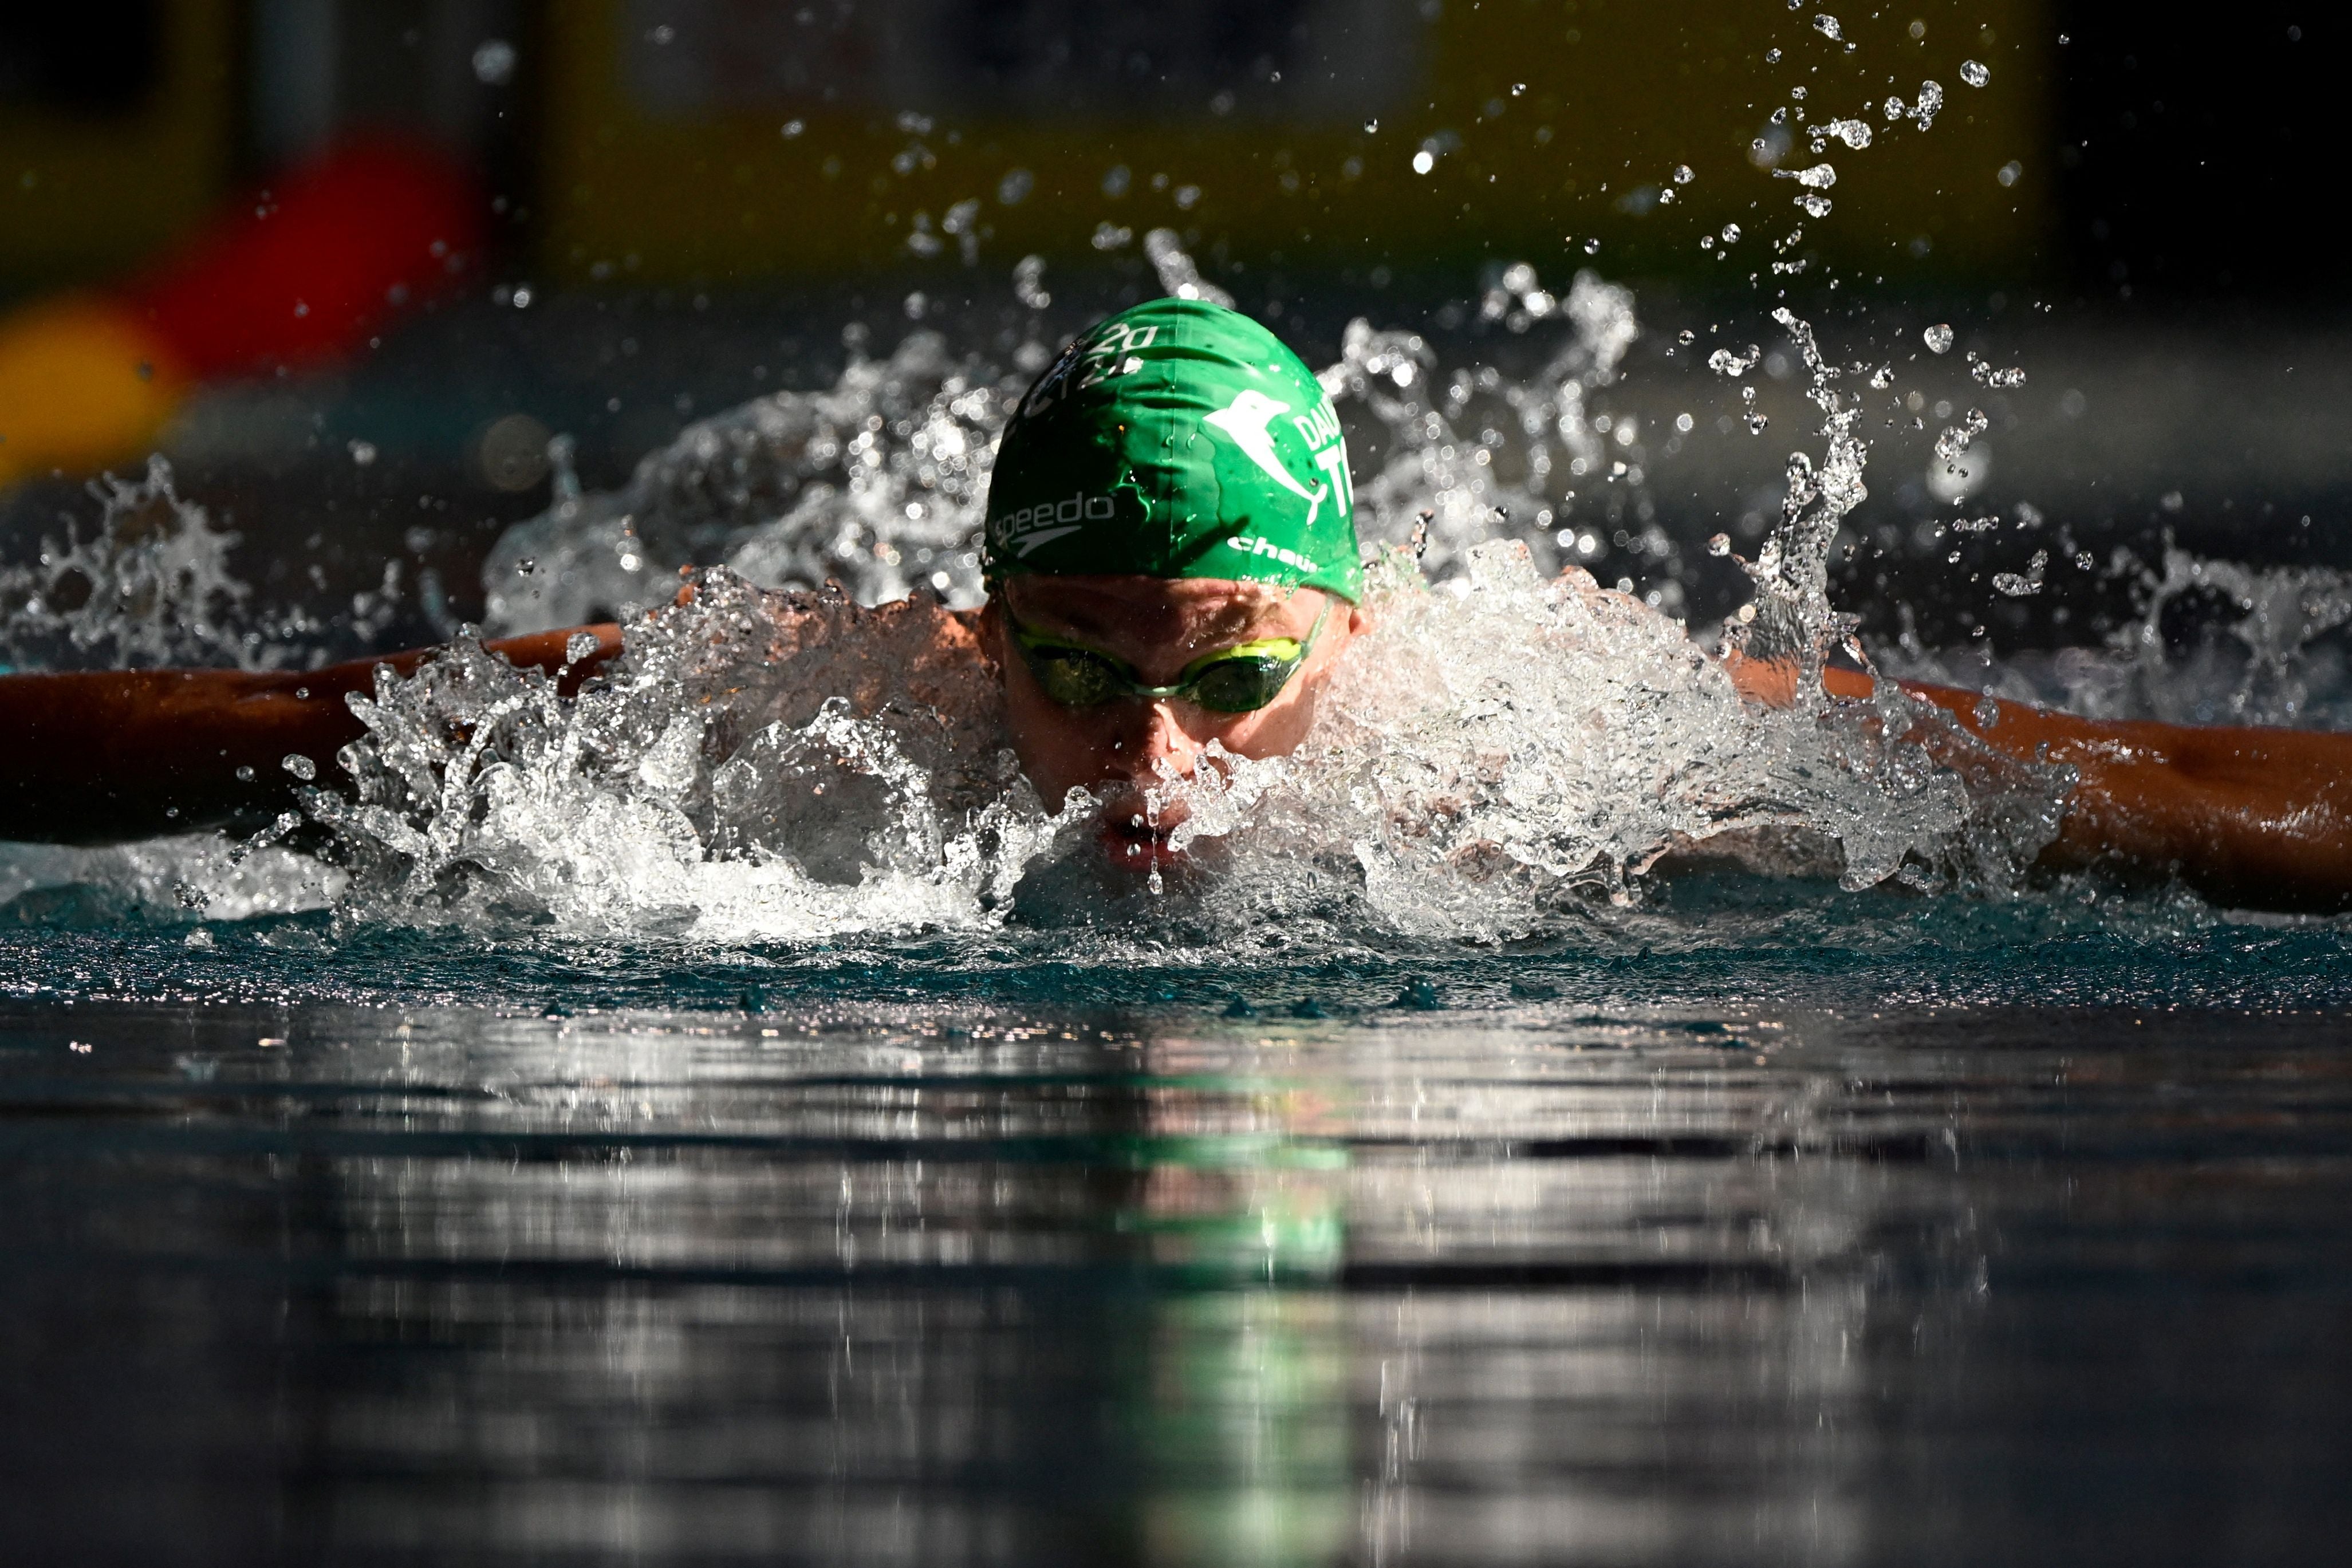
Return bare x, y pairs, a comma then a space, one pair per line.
1158, 627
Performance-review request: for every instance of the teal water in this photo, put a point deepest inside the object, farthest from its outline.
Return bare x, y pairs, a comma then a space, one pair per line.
1768, 1224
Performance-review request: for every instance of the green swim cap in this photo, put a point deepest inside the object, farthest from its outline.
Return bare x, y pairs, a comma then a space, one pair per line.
1177, 439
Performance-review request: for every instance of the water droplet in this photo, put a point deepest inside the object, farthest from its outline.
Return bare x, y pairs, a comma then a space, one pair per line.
2007, 172
494, 62
1814, 205
1015, 186
1955, 438
1827, 26
1974, 73
1683, 174
1771, 57
1931, 98
2019, 588
1591, 247
1730, 234
1423, 161
1719, 545
1939, 339
244, 772
793, 127
1756, 422
300, 766
362, 452
1724, 363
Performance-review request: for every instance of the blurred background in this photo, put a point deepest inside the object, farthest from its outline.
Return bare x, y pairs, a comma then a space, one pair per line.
349, 267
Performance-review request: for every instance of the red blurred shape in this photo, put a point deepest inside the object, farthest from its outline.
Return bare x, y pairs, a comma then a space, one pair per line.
302, 276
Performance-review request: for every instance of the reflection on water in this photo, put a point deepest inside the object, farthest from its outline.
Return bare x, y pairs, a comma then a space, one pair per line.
942, 1285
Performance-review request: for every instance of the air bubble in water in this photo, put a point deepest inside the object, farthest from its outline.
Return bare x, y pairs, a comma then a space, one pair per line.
1974, 73
1939, 339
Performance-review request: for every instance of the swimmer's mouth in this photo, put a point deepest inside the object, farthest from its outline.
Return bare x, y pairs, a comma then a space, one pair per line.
1132, 839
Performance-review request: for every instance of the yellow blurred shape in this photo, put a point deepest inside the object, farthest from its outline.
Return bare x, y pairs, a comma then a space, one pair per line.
703, 141
83, 383
86, 195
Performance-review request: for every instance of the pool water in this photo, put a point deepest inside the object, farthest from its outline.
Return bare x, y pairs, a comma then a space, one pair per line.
1780, 1225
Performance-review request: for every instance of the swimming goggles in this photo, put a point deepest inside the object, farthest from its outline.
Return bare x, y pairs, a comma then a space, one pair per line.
1233, 680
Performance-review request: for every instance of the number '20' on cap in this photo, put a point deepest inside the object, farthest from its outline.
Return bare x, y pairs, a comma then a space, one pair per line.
1179, 439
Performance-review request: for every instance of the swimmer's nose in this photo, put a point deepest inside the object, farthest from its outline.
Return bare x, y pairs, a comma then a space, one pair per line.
1156, 738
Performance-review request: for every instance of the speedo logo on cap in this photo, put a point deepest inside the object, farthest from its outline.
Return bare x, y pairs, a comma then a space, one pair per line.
1025, 529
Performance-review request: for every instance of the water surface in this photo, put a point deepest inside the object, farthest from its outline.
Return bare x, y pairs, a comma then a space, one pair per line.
1971, 1232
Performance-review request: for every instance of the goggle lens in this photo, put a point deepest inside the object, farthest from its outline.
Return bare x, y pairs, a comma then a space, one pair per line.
1242, 685
1075, 678
1240, 680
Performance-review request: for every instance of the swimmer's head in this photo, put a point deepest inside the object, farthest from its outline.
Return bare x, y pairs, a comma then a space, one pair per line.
1171, 559
1177, 439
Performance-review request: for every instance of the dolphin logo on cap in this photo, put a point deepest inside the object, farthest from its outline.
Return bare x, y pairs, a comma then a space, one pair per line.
1243, 422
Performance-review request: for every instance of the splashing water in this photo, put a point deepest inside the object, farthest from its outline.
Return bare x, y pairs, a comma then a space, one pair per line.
879, 481
1498, 757
151, 585
876, 482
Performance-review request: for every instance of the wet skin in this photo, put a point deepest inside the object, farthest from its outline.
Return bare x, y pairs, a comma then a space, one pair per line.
1158, 627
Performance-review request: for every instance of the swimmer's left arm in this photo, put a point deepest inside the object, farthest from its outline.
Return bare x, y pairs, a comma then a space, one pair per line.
104, 756
2254, 817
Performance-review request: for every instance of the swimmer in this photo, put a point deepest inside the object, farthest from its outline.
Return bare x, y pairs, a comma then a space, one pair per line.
1172, 560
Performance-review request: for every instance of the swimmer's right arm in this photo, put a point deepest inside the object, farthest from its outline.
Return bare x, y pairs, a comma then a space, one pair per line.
104, 756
